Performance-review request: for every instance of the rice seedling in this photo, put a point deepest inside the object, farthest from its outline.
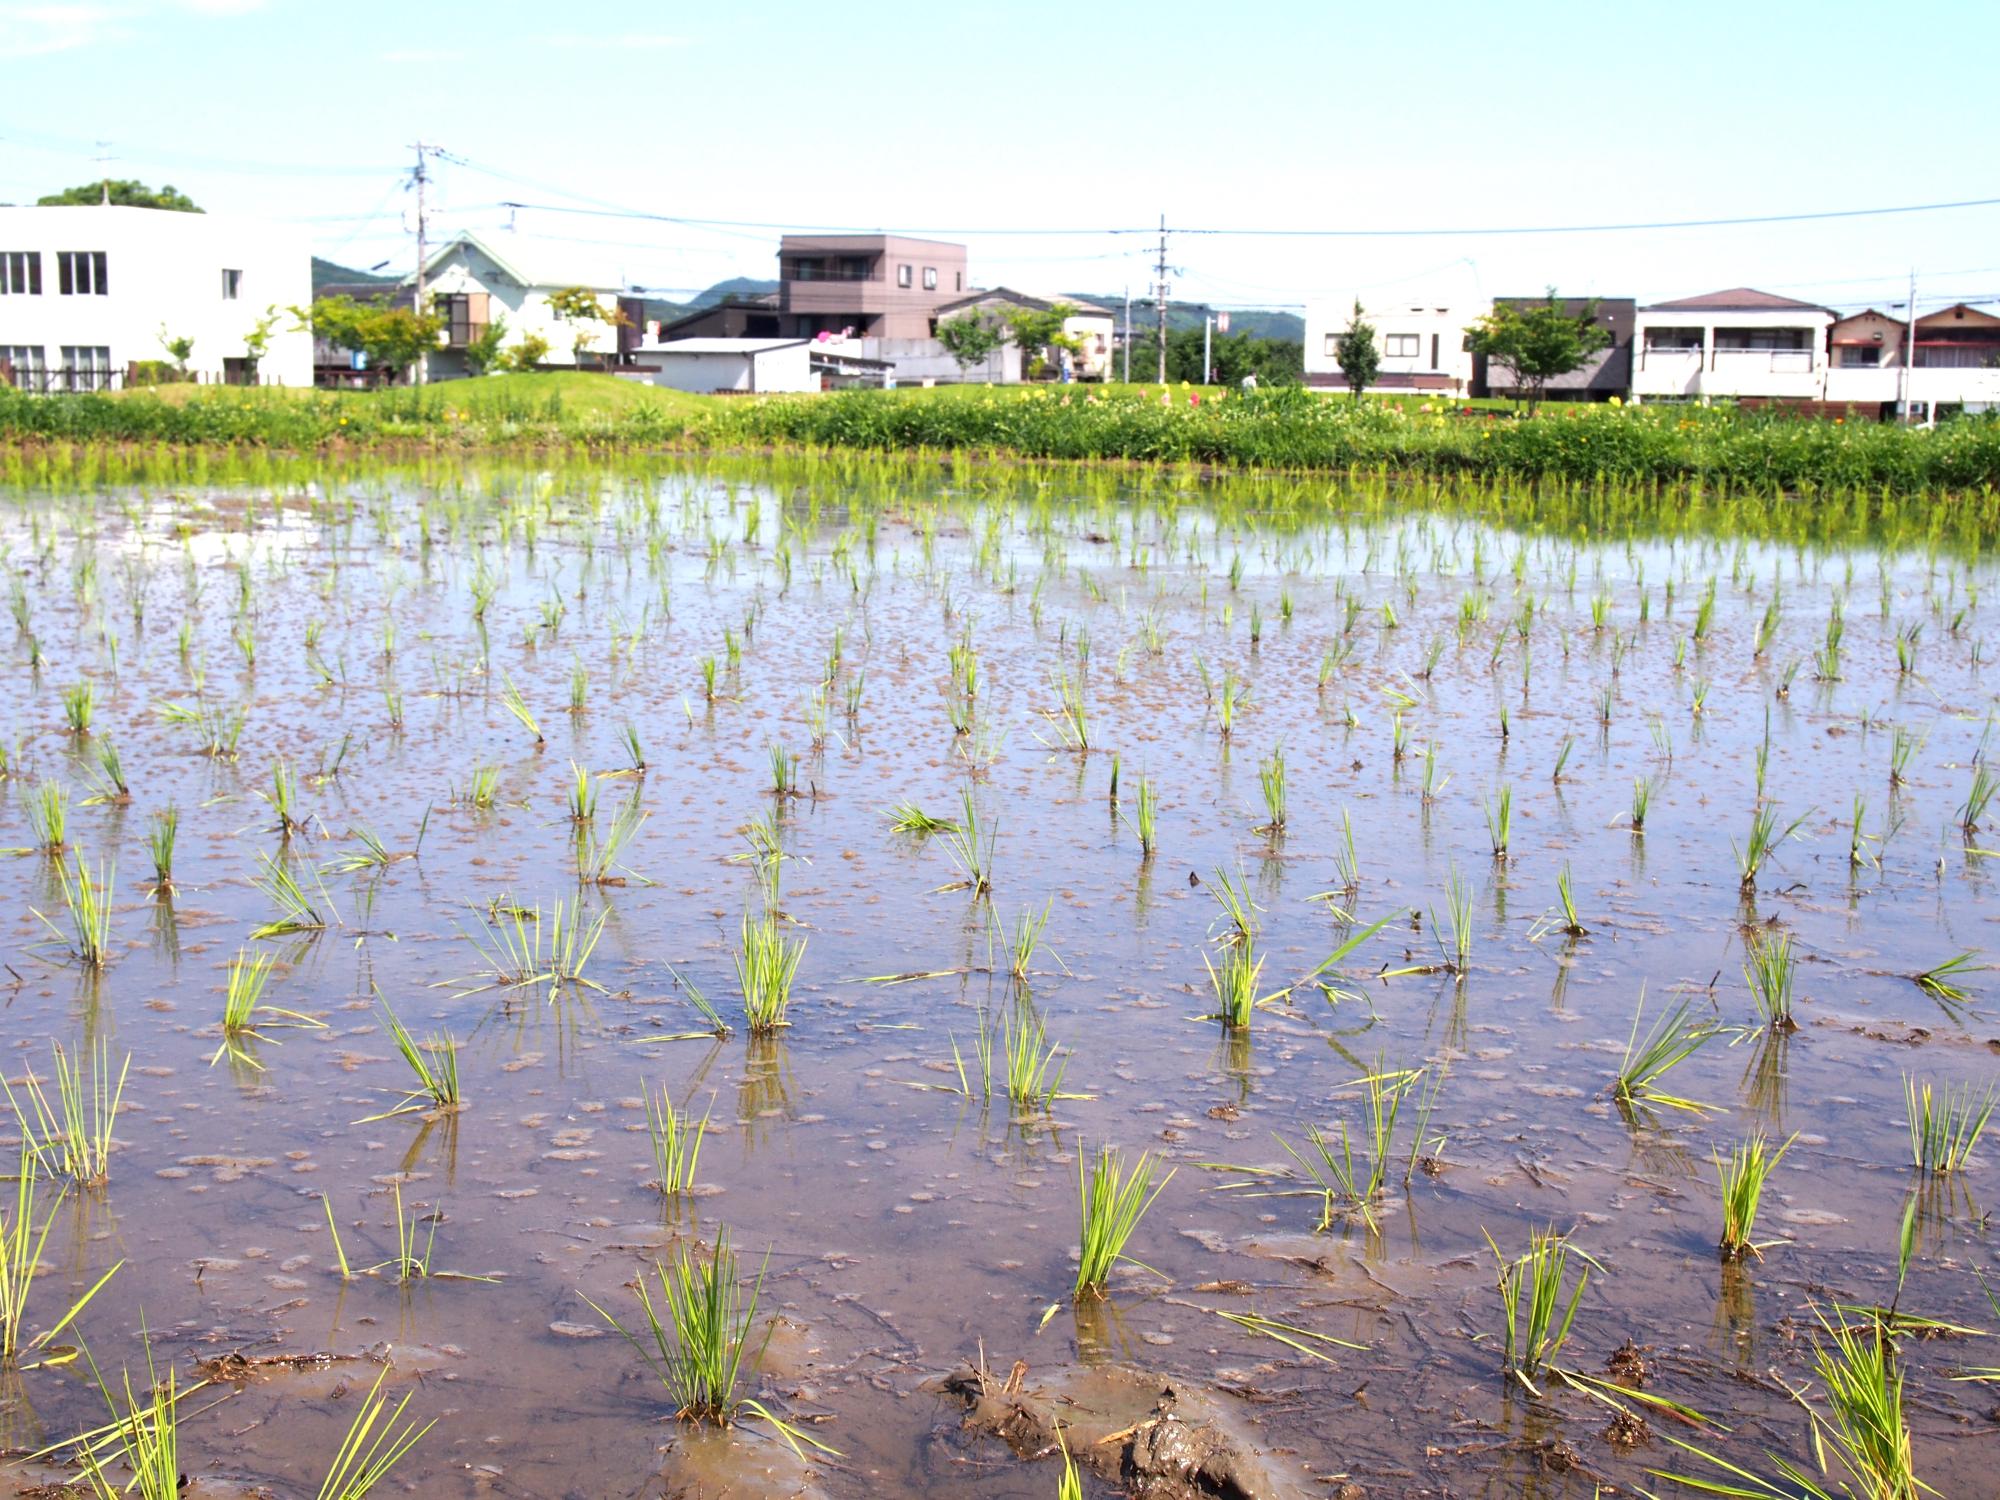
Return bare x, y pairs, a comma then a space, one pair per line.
245, 1018
582, 795
1741, 1177
1903, 747
482, 790
1538, 1302
1034, 1065
70, 1135
1571, 924
1069, 1486
87, 902
515, 704
1859, 856
970, 843
1111, 1202
107, 782
522, 947
1642, 802
597, 855
283, 798
373, 1446
1234, 982
79, 702
767, 964
1433, 783
1945, 1123
635, 753
579, 688
21, 1246
1145, 817
1458, 921
1768, 968
1562, 758
1271, 781
1940, 981
433, 1064
1763, 837
1070, 716
1500, 821
1228, 703
784, 772
1341, 1184
1977, 797
1670, 1041
48, 817
143, 1434
676, 1139
296, 911
1026, 939
697, 1338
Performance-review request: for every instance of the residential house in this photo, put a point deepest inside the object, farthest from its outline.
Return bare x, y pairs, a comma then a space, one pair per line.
88, 292
1094, 328
763, 366
884, 286
1732, 344
1421, 341
1956, 363
1606, 374
472, 280
733, 318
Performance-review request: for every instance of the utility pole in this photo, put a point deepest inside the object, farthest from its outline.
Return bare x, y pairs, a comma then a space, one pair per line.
423, 249
1906, 383
1128, 334
1160, 290
1207, 345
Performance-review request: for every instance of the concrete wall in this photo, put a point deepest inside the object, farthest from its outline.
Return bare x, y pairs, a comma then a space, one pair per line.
1428, 340
919, 360
765, 371
161, 269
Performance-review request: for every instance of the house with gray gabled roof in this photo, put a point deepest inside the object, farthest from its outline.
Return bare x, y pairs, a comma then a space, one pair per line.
1735, 343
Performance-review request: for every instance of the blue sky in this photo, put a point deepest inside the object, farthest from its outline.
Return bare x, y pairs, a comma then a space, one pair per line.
1035, 116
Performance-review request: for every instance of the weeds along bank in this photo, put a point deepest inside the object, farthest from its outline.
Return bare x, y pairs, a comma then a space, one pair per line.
1289, 430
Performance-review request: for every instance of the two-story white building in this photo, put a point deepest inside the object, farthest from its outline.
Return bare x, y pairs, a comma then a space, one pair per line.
1730, 344
87, 292
470, 281
1421, 342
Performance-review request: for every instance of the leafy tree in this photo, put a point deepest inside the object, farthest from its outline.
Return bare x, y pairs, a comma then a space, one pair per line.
1538, 343
122, 193
580, 306
1357, 353
971, 339
1036, 330
393, 338
527, 354
484, 353
258, 340
1273, 361
179, 349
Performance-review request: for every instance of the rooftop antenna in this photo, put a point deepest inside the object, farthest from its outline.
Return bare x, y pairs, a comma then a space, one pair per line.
104, 173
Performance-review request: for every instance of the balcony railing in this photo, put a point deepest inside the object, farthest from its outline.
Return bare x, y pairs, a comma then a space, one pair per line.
810, 271
1776, 361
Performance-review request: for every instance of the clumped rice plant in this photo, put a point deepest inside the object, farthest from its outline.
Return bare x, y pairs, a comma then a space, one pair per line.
1271, 781
676, 1139
1768, 969
696, 1338
1763, 838
377, 1440
970, 843
1146, 817
1669, 1041
245, 1017
1940, 981
296, 911
523, 947
767, 964
1945, 1123
1540, 1291
1741, 1175
21, 1246
70, 1135
1234, 981
1111, 1202
515, 704
433, 1065
87, 901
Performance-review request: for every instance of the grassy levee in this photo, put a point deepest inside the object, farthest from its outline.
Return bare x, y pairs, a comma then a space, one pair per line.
1291, 431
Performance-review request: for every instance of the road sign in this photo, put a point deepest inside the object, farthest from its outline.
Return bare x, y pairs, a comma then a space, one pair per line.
1222, 322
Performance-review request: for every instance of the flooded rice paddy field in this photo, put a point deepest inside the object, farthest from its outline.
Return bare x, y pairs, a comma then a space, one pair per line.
1415, 661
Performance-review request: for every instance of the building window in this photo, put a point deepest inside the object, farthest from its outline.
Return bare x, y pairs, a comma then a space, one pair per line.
1861, 357
902, 276
232, 285
1332, 347
958, 281
21, 272
1673, 338
80, 273
1401, 345
930, 278
26, 365
86, 367
1434, 351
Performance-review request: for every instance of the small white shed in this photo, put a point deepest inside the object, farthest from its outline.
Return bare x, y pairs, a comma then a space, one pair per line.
750, 365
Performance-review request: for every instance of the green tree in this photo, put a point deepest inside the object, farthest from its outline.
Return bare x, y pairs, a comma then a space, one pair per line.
484, 353
579, 306
971, 338
258, 340
393, 338
1273, 361
1357, 353
180, 349
122, 193
1036, 330
1538, 343
527, 354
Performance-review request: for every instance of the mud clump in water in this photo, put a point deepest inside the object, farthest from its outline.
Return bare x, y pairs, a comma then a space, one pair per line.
1159, 1439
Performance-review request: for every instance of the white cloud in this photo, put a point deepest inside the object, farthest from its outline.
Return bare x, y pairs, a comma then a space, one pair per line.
38, 30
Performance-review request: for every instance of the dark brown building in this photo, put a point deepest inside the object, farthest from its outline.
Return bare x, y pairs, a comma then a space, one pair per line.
1605, 374
875, 285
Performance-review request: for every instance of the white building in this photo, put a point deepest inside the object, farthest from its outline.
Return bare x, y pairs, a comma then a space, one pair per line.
1094, 330
1421, 342
1740, 342
749, 366
87, 292
471, 281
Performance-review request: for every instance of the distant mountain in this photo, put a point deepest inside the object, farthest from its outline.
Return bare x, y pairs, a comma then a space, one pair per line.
325, 271
1263, 322
659, 309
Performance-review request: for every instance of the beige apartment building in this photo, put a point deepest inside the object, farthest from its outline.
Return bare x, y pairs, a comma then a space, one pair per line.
878, 286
